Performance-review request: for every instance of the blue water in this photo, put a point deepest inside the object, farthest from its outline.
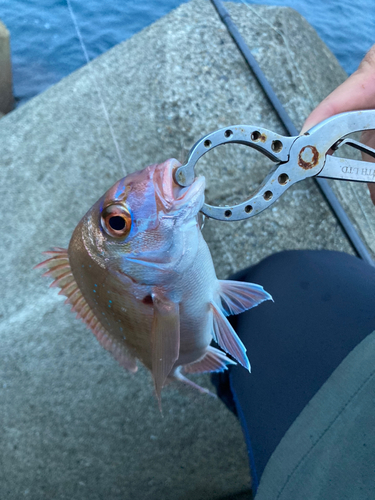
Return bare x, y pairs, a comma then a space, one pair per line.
45, 46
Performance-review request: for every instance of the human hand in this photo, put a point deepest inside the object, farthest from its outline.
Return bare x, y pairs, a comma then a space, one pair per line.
357, 92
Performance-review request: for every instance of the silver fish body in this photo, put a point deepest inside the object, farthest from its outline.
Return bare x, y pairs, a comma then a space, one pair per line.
139, 273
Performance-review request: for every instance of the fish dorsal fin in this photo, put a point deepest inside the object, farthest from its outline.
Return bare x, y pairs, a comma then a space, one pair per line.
239, 296
165, 338
213, 361
227, 338
58, 267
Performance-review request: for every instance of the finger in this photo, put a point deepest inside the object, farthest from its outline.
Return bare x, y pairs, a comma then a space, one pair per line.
357, 92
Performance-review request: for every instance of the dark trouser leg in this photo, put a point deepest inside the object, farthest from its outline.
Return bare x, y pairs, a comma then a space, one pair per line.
324, 306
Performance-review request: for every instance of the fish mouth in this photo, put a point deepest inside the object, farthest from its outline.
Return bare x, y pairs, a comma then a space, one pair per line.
171, 194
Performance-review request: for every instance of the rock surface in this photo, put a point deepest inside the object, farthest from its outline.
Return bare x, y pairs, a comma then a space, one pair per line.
74, 425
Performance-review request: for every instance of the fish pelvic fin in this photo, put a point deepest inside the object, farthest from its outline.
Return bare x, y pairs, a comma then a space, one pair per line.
227, 338
239, 296
58, 267
213, 361
165, 339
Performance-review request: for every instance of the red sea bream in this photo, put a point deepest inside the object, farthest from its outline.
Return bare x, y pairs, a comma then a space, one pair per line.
140, 275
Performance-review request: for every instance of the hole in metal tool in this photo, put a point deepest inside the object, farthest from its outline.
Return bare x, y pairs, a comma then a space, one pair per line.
232, 172
255, 136
277, 146
207, 143
268, 195
228, 213
248, 209
228, 133
283, 179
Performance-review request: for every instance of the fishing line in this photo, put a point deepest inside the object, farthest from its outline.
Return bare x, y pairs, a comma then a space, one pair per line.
333, 202
97, 88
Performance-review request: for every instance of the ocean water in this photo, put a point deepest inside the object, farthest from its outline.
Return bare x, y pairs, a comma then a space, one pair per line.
45, 46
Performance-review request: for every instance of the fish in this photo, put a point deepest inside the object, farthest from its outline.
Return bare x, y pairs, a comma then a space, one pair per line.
140, 275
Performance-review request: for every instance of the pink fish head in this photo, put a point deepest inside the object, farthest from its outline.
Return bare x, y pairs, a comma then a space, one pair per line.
139, 228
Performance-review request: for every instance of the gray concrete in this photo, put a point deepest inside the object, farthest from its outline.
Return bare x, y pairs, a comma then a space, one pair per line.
73, 424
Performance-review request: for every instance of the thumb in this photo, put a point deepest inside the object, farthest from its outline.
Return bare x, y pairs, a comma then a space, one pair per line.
357, 92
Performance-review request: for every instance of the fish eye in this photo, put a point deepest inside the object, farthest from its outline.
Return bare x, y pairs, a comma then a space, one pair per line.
116, 220
117, 223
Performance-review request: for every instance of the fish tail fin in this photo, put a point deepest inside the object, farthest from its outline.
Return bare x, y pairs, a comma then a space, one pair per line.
239, 296
227, 338
213, 361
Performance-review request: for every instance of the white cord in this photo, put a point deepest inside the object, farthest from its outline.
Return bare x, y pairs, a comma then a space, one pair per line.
97, 88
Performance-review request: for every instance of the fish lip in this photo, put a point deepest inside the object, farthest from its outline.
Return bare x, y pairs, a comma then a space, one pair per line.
171, 194
197, 187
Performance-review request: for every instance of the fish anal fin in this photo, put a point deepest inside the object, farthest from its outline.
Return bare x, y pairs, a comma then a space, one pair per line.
213, 361
177, 375
165, 339
227, 338
239, 296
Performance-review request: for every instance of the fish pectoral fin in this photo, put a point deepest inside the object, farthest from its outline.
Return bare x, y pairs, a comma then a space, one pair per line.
213, 361
165, 338
227, 338
239, 296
